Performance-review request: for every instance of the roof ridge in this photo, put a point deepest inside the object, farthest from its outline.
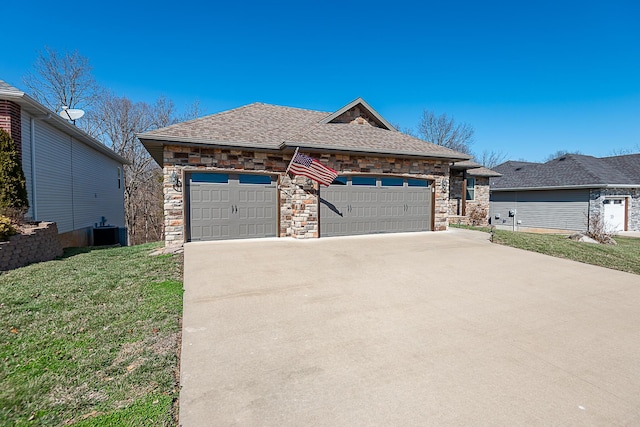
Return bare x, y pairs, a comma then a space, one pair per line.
580, 159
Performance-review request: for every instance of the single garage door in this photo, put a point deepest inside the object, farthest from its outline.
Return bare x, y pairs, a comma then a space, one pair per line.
231, 206
366, 205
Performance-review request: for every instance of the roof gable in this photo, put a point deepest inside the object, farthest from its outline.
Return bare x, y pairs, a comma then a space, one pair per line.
358, 112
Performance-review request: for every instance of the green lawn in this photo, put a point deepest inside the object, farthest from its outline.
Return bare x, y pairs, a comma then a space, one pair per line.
91, 339
624, 257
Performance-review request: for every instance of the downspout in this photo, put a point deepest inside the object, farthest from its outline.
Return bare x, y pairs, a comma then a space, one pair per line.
34, 196
73, 190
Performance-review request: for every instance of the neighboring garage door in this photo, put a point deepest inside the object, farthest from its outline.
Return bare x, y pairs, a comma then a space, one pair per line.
366, 205
231, 206
556, 209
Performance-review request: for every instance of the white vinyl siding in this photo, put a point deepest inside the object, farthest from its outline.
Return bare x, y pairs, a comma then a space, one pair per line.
554, 209
53, 178
26, 158
75, 184
95, 188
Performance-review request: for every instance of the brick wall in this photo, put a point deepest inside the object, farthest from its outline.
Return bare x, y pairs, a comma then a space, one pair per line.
38, 244
298, 196
11, 122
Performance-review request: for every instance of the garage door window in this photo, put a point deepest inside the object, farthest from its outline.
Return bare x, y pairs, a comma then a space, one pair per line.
392, 182
417, 183
362, 180
340, 180
255, 179
215, 178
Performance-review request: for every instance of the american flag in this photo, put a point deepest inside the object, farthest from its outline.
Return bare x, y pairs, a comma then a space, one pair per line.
312, 168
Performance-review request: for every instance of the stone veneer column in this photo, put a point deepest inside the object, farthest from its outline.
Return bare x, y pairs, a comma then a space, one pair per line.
10, 121
298, 208
173, 208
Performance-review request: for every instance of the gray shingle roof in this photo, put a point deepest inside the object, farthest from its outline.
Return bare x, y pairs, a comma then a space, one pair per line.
265, 126
571, 170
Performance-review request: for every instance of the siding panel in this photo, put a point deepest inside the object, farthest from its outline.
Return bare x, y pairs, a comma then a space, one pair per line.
554, 209
54, 176
95, 188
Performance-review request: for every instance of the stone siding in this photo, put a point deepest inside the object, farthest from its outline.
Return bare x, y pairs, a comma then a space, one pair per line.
596, 206
35, 245
11, 121
480, 200
298, 196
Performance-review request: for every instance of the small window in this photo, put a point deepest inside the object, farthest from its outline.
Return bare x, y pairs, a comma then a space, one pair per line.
471, 188
617, 202
418, 183
119, 177
363, 180
392, 182
340, 180
606, 202
255, 179
215, 178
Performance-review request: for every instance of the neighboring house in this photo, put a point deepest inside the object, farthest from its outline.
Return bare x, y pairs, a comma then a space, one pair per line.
225, 175
567, 193
469, 193
72, 179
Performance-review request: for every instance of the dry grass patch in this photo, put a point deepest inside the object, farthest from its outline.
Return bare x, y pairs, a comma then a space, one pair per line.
91, 339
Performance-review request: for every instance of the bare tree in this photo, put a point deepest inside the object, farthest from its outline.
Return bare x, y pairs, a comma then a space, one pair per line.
491, 159
560, 153
625, 151
193, 111
121, 120
66, 79
59, 80
443, 130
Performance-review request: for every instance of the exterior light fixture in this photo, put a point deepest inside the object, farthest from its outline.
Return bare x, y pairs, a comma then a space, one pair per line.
175, 180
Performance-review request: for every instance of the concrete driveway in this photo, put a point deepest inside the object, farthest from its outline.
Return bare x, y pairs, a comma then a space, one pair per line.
410, 329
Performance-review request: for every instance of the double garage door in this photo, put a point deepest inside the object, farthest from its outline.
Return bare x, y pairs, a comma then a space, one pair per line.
235, 206
366, 205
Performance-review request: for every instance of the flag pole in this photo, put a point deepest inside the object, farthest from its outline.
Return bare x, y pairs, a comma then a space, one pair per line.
294, 156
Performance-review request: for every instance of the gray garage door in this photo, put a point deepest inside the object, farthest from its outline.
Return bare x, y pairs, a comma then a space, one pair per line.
366, 205
231, 206
556, 209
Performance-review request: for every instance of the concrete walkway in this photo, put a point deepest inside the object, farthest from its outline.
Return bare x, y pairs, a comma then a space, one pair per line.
635, 234
412, 329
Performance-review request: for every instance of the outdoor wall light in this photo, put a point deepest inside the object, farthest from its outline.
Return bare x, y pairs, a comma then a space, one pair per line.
444, 185
175, 180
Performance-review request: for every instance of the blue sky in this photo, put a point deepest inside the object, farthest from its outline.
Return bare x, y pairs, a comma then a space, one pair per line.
531, 78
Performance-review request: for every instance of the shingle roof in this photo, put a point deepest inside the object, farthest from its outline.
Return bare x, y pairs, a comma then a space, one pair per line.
571, 170
7, 88
474, 169
265, 126
482, 171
